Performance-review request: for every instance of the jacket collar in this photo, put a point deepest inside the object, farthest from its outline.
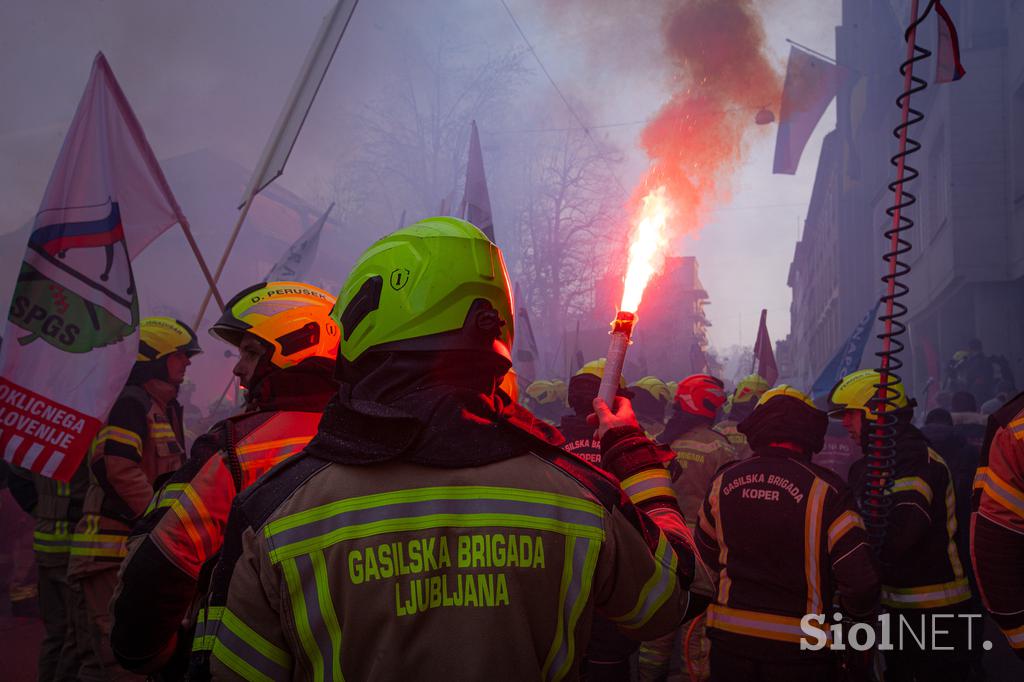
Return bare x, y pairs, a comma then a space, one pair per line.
162, 392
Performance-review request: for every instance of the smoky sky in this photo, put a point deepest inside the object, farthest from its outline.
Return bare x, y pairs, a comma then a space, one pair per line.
214, 74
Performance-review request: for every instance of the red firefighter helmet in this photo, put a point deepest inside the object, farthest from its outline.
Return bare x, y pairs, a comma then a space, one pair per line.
701, 394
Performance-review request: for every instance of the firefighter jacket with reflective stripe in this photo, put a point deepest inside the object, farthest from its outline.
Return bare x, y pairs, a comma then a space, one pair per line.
997, 529
401, 570
783, 537
184, 529
699, 452
737, 440
580, 439
920, 560
141, 444
56, 507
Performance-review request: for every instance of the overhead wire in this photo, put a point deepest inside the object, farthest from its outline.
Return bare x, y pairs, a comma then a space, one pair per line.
565, 100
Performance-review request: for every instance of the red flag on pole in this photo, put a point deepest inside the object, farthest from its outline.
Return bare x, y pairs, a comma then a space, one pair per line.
947, 64
71, 336
764, 356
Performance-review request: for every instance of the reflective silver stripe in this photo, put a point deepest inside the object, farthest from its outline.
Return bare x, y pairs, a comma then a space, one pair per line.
648, 484
1015, 637
577, 578
315, 618
240, 648
1000, 490
284, 535
656, 591
753, 624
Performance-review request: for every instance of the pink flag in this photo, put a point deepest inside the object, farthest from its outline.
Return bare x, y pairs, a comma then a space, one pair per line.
72, 331
811, 83
948, 67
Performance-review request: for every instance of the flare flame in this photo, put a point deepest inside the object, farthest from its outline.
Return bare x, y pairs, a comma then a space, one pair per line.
647, 246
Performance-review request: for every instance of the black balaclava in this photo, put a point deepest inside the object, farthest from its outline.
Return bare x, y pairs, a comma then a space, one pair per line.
149, 370
682, 422
784, 419
740, 411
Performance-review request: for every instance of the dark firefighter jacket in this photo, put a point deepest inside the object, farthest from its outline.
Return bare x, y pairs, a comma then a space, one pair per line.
580, 439
699, 451
141, 445
163, 577
56, 507
430, 538
783, 537
741, 449
920, 561
997, 531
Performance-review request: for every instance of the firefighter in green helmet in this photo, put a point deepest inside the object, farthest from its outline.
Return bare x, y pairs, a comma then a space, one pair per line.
422, 514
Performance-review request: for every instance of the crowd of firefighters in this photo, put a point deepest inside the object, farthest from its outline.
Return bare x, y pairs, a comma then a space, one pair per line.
386, 505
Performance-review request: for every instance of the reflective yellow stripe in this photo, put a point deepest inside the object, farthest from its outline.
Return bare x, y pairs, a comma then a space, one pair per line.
915, 483
648, 484
951, 548
239, 647
704, 524
58, 542
724, 582
119, 435
812, 543
99, 544
999, 490
843, 524
754, 624
1015, 637
656, 591
695, 445
926, 596
166, 496
423, 508
1016, 427
271, 445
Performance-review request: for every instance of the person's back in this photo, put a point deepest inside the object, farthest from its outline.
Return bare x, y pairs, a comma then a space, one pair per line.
997, 534
422, 534
286, 363
741, 403
699, 449
783, 537
768, 562
580, 439
429, 565
139, 447
923, 576
949, 442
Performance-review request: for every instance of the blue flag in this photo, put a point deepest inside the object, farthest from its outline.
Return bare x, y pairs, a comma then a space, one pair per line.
847, 359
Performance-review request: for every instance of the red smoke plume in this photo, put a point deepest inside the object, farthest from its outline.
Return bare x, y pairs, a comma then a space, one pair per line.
725, 75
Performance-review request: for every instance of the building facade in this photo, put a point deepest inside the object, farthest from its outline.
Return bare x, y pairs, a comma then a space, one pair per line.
967, 258
670, 341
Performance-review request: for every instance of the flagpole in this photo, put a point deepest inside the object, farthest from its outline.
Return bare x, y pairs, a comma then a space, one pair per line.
293, 115
223, 260
187, 229
814, 52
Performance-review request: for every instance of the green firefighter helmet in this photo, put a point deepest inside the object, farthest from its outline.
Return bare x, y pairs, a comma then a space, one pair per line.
439, 284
